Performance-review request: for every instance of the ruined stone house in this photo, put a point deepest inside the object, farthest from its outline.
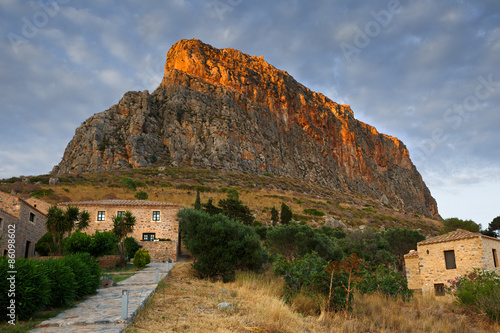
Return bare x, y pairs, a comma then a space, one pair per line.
21, 223
156, 228
445, 257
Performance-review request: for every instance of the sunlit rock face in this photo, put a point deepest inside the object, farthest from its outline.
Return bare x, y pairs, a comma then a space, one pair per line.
223, 109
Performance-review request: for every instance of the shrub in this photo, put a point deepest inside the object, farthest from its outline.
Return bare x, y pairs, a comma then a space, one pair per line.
219, 244
141, 258
314, 212
387, 281
312, 275
141, 195
286, 214
103, 243
32, 287
45, 245
77, 242
131, 247
128, 183
294, 240
479, 290
87, 273
62, 282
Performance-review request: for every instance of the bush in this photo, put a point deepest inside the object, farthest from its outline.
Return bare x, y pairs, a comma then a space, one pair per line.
87, 273
103, 243
45, 245
141, 258
479, 290
130, 183
32, 287
294, 240
387, 281
131, 246
141, 195
62, 282
219, 244
77, 242
314, 212
312, 275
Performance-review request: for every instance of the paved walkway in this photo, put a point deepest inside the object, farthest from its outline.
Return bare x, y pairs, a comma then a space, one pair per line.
102, 312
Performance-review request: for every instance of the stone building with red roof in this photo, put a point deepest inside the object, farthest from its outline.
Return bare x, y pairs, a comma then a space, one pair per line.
445, 257
156, 228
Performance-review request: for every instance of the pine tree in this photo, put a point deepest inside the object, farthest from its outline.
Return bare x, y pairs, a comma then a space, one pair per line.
286, 214
197, 203
274, 216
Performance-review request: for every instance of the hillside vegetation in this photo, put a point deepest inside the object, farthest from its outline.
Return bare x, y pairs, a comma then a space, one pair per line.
309, 202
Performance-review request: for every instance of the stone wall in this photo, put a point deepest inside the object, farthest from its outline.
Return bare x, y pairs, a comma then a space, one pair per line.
488, 245
9, 203
28, 223
161, 251
413, 271
108, 261
468, 254
166, 228
41, 205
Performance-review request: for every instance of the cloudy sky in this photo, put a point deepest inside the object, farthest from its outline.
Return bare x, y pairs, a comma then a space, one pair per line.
427, 72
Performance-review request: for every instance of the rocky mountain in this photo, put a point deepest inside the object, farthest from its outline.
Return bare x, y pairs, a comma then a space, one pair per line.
223, 109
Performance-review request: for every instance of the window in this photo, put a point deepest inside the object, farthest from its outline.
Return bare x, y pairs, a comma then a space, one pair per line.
120, 213
495, 258
1, 223
156, 215
32, 217
101, 215
439, 289
149, 237
449, 258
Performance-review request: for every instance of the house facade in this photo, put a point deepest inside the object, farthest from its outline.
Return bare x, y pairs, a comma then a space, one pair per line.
445, 257
156, 228
21, 226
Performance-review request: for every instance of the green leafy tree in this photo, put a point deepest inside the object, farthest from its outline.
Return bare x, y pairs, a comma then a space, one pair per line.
454, 223
294, 240
45, 245
493, 228
220, 245
401, 241
275, 217
60, 222
197, 202
286, 214
132, 246
122, 226
234, 208
210, 208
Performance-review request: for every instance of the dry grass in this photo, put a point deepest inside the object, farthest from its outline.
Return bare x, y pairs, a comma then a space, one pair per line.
184, 303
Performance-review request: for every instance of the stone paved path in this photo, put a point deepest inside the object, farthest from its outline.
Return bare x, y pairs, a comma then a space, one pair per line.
102, 312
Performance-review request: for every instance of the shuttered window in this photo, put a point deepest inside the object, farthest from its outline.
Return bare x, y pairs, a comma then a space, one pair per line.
449, 258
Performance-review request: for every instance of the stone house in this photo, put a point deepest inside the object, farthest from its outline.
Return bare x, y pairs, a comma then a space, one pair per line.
445, 257
156, 228
21, 222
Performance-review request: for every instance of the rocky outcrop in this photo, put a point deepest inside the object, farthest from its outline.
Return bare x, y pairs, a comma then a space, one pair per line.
223, 109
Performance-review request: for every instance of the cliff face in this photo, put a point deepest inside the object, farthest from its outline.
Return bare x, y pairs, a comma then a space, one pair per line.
223, 109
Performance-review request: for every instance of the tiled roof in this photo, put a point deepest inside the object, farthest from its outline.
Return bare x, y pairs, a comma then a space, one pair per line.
453, 236
411, 254
134, 203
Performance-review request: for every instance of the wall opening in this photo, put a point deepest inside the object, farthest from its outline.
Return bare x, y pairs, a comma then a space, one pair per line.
27, 249
449, 258
439, 289
495, 257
